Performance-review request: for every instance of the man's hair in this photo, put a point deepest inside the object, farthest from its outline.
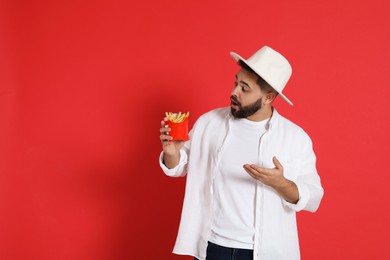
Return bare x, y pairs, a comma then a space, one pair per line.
264, 86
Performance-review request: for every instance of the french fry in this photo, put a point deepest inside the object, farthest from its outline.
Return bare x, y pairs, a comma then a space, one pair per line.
176, 117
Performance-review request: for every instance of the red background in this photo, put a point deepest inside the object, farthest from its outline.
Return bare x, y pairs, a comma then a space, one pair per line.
84, 85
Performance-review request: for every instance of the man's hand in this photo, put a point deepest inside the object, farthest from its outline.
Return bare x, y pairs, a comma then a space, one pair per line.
274, 178
171, 148
271, 177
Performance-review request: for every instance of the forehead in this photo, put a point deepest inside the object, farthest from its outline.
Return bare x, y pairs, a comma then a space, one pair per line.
246, 76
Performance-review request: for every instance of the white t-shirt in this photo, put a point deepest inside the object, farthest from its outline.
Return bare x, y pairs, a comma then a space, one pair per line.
234, 189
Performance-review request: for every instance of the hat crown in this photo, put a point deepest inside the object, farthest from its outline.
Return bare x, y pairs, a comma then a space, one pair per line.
271, 66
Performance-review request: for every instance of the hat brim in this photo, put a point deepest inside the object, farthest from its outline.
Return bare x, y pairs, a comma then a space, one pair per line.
237, 57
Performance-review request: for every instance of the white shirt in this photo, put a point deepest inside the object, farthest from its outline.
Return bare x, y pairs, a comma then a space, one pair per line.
234, 189
276, 235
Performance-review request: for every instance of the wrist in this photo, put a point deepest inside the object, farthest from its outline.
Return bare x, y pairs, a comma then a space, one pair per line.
283, 184
288, 190
171, 160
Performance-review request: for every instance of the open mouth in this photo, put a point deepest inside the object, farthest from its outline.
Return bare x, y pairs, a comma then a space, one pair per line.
234, 103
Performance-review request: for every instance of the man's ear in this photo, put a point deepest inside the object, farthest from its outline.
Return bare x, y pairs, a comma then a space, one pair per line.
270, 97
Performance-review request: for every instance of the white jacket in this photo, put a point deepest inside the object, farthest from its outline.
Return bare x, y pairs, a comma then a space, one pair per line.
276, 234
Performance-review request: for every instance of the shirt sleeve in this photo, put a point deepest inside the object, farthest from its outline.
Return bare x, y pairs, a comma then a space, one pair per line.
302, 200
308, 181
179, 170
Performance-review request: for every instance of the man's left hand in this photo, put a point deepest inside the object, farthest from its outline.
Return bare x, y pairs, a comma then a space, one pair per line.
275, 179
272, 177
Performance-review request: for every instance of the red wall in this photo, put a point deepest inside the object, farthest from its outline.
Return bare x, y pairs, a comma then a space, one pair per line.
84, 84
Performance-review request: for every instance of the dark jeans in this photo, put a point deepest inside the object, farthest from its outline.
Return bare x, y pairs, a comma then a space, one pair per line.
217, 252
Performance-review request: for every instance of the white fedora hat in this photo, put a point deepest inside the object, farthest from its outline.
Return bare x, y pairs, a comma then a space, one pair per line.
271, 66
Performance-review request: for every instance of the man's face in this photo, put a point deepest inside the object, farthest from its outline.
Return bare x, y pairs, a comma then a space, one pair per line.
246, 97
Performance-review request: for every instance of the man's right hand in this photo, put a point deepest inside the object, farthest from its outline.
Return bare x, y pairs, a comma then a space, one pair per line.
171, 148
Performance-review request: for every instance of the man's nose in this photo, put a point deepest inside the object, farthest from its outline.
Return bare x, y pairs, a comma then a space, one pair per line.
234, 92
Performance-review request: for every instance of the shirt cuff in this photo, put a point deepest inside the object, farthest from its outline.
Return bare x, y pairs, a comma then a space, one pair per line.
178, 169
302, 200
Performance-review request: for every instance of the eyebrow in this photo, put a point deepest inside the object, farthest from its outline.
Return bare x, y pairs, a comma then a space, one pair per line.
243, 82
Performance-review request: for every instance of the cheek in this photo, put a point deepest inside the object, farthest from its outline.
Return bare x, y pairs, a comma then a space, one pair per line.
250, 99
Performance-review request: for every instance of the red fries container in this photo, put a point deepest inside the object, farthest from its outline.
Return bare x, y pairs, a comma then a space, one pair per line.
179, 131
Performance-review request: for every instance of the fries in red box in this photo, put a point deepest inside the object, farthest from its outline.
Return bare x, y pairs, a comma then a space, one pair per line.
178, 122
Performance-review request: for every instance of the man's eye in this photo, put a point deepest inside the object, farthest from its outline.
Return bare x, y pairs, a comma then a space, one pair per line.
244, 89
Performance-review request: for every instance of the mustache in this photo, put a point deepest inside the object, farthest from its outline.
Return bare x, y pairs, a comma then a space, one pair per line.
235, 100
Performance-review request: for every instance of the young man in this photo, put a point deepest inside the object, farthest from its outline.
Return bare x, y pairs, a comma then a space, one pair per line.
249, 170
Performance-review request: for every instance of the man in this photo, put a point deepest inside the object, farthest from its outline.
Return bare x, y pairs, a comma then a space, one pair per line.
249, 170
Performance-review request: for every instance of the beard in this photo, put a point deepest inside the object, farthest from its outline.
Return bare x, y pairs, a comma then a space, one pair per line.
245, 111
